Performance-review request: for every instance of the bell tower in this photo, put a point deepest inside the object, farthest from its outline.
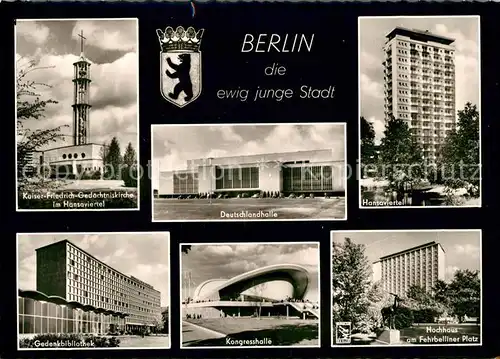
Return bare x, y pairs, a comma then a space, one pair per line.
81, 98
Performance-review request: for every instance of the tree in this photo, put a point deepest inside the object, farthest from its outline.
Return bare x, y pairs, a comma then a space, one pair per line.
459, 162
158, 324
440, 292
378, 299
464, 292
129, 158
350, 283
185, 248
368, 154
165, 320
400, 155
419, 297
129, 168
112, 159
30, 106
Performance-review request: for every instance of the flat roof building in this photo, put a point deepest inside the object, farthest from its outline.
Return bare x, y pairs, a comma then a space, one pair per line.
319, 171
422, 265
419, 77
86, 293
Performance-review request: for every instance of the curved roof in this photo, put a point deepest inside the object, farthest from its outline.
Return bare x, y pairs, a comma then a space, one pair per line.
294, 274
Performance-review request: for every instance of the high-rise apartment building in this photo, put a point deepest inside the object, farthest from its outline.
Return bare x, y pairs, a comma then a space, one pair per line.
423, 265
419, 77
69, 272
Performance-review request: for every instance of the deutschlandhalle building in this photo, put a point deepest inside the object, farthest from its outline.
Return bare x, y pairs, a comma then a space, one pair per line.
318, 171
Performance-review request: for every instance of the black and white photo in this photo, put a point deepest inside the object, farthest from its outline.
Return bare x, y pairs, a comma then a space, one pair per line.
241, 295
249, 172
77, 114
406, 287
420, 110
93, 290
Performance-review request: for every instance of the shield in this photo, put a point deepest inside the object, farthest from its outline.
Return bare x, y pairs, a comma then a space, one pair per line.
180, 76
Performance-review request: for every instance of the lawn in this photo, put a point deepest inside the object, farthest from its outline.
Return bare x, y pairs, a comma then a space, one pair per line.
151, 341
280, 332
252, 209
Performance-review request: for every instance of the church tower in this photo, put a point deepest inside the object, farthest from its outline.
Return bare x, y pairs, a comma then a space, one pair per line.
81, 98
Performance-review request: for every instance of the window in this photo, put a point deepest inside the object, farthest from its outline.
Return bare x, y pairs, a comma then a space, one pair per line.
69, 156
75, 155
64, 157
83, 155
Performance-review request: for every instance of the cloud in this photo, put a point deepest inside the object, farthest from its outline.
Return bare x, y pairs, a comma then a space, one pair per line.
227, 133
372, 38
122, 37
450, 271
32, 31
468, 250
370, 88
113, 96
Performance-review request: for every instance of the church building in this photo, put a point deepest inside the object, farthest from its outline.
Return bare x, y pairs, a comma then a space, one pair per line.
82, 155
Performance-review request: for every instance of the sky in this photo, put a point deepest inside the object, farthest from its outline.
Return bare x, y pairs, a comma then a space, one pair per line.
174, 145
111, 47
142, 255
462, 248
225, 261
372, 31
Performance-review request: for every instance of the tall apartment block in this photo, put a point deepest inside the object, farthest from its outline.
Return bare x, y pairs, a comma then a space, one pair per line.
423, 265
67, 271
419, 77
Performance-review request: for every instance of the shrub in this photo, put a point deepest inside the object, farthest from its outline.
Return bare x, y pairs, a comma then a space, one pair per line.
90, 175
129, 176
403, 318
426, 315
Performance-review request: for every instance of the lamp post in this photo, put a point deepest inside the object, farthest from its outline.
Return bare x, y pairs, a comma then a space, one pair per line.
210, 178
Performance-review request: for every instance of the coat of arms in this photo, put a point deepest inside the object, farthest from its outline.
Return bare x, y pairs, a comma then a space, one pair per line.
180, 59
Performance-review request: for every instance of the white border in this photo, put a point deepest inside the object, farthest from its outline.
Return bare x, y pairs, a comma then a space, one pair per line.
360, 18
62, 235
333, 345
347, 172
256, 346
137, 122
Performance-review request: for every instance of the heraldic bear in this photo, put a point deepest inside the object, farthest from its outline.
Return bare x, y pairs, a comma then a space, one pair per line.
181, 72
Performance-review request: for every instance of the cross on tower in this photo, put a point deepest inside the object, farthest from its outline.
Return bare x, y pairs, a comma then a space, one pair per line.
82, 38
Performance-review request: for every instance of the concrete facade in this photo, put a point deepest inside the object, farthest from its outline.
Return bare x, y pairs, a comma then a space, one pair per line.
423, 265
75, 159
69, 272
270, 169
419, 76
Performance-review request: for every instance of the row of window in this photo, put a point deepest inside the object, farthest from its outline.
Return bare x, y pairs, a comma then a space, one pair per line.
71, 156
310, 178
237, 178
186, 182
90, 266
425, 48
81, 278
